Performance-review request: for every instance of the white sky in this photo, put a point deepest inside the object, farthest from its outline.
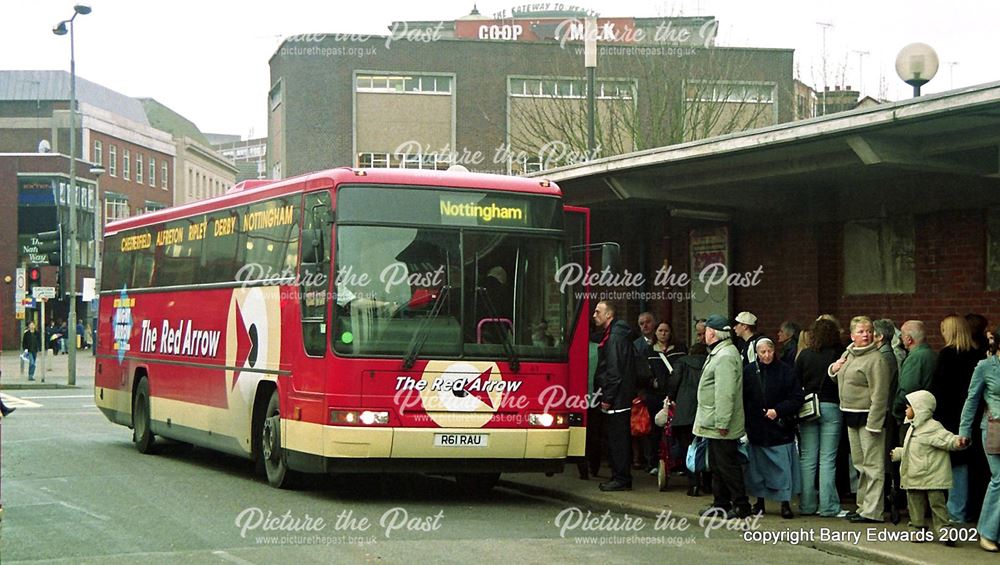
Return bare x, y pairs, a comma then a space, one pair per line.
207, 59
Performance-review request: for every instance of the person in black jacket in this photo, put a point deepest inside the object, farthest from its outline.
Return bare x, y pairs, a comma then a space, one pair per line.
772, 397
615, 378
31, 343
682, 388
660, 357
820, 439
953, 374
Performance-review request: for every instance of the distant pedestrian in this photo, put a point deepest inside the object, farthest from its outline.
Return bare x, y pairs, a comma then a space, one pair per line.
699, 331
647, 332
788, 339
917, 372
5, 410
682, 387
885, 330
746, 330
31, 343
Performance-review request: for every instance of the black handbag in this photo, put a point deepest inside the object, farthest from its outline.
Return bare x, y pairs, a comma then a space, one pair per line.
810, 408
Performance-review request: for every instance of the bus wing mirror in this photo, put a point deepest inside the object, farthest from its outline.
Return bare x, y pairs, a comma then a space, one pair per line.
312, 245
610, 256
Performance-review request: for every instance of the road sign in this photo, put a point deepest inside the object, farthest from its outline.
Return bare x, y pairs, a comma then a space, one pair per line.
19, 286
44, 292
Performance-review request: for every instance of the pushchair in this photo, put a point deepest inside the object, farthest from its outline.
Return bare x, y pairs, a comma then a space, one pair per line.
669, 459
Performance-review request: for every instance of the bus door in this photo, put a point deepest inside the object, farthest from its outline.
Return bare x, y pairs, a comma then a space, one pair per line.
310, 371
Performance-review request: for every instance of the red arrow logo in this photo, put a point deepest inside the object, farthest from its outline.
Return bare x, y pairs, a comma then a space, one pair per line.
480, 391
243, 344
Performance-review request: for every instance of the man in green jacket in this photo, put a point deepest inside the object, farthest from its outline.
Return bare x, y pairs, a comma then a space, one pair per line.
720, 418
917, 371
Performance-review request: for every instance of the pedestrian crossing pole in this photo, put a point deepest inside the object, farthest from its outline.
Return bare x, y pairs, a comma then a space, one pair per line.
45, 340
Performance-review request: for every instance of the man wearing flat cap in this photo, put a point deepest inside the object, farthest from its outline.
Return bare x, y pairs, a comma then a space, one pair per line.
746, 332
720, 419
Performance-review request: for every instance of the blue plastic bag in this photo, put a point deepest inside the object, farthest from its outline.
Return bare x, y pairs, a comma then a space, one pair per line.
697, 455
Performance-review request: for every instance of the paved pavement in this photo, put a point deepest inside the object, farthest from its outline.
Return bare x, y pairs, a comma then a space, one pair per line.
15, 372
646, 499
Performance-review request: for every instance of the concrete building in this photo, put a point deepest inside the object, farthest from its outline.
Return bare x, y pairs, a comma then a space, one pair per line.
508, 95
249, 155
805, 101
200, 172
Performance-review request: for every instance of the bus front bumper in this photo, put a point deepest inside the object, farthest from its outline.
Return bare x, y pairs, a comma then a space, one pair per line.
319, 448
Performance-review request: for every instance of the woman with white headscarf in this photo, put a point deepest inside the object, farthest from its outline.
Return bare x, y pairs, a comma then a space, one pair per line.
772, 396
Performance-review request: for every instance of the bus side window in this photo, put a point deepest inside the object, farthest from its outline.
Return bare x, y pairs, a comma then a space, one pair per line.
314, 271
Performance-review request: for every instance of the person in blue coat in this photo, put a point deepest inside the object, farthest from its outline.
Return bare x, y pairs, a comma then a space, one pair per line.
985, 386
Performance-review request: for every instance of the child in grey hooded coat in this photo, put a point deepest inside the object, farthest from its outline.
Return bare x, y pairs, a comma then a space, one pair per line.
926, 467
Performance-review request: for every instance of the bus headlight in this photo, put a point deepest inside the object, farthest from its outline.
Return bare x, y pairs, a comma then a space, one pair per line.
547, 420
354, 417
368, 418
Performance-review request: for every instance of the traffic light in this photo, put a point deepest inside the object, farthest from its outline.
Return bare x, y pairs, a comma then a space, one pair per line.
50, 245
34, 279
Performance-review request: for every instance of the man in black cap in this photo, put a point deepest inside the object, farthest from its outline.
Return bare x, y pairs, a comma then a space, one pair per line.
720, 419
615, 377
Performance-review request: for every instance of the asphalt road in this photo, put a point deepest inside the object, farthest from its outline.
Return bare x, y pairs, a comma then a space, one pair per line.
76, 491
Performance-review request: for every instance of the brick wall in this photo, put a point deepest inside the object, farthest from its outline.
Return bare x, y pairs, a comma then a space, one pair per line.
803, 274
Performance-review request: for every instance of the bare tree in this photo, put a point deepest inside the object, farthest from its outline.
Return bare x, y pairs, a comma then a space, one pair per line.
666, 100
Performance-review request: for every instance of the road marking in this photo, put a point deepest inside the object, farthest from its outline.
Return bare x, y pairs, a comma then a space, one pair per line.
232, 558
15, 402
67, 505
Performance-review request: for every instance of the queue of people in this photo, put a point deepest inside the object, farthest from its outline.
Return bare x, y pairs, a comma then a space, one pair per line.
771, 416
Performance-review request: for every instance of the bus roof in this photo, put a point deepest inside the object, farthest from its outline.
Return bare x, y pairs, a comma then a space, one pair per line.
254, 190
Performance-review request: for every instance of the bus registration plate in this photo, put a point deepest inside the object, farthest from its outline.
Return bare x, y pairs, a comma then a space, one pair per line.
461, 440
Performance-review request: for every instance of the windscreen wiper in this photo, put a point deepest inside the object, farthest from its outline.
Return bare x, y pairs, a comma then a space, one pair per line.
420, 336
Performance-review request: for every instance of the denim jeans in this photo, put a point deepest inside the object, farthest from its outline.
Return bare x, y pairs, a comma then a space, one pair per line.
958, 496
31, 365
818, 451
989, 517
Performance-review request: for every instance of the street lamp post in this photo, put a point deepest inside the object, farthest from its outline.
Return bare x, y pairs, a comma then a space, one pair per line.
97, 170
60, 29
590, 62
917, 64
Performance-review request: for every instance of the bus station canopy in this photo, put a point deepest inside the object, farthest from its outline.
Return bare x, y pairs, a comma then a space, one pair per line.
916, 142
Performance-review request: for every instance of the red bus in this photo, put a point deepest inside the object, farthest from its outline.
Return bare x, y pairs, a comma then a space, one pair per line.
352, 320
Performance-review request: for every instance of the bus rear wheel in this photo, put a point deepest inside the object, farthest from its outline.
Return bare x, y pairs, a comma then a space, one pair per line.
271, 453
142, 435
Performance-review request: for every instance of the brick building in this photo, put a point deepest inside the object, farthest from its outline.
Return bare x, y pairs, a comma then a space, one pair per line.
113, 132
34, 189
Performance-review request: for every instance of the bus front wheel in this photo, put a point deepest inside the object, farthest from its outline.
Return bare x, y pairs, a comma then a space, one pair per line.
141, 433
275, 466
